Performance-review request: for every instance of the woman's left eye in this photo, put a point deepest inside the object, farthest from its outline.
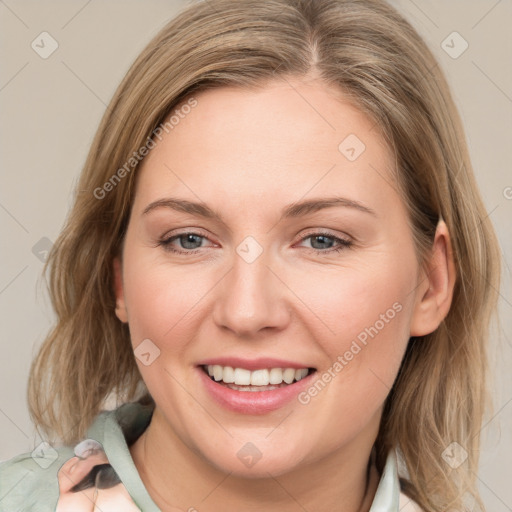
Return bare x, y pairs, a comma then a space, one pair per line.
191, 242
342, 243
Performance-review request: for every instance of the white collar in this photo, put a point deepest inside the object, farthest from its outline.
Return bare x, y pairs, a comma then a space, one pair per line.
387, 497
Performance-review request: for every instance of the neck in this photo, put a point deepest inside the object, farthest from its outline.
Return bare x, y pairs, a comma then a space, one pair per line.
177, 478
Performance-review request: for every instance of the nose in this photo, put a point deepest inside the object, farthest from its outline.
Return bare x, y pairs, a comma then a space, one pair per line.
252, 297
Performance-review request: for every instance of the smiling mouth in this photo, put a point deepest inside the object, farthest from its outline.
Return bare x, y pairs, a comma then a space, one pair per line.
266, 379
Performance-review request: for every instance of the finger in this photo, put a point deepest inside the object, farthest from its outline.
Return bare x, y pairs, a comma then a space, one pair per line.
64, 475
76, 501
76, 469
114, 499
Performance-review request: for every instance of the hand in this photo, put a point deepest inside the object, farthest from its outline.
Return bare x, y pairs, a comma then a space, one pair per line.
114, 499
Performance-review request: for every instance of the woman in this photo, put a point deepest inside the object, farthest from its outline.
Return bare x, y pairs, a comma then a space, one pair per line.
258, 368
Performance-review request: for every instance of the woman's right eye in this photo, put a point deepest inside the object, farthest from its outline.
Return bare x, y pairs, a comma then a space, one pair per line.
188, 242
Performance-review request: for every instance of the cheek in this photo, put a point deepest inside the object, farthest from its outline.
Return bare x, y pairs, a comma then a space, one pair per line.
361, 318
368, 313
349, 300
342, 303
161, 299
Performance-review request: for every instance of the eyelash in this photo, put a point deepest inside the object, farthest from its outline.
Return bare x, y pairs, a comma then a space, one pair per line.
343, 243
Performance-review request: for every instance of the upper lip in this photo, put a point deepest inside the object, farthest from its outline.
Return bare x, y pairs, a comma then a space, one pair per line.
252, 364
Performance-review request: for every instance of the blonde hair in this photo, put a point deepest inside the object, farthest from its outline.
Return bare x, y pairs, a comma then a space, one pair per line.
372, 54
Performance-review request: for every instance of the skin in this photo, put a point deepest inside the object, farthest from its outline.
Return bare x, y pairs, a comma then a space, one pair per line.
247, 154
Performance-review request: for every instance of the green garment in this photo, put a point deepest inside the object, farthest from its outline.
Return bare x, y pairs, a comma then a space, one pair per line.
30, 482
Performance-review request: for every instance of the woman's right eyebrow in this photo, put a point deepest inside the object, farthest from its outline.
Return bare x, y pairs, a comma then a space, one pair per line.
185, 206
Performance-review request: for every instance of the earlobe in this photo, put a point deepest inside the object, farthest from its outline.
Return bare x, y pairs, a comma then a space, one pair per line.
435, 293
121, 311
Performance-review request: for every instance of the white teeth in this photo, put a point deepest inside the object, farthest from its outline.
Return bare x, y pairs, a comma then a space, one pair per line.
242, 377
259, 378
301, 373
276, 376
217, 372
263, 377
229, 375
289, 375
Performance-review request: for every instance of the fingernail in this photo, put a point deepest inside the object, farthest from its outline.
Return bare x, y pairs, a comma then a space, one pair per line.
87, 446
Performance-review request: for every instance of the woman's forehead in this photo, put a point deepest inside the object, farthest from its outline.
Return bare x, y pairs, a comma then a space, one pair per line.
285, 138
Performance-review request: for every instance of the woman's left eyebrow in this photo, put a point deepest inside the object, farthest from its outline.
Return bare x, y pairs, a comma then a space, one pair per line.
313, 205
298, 209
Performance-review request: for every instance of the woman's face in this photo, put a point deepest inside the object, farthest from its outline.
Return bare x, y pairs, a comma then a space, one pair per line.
265, 283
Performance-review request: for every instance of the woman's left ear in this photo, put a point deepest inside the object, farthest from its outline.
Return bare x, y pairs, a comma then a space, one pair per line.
435, 290
121, 311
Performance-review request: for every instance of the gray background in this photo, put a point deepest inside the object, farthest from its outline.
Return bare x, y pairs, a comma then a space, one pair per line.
50, 109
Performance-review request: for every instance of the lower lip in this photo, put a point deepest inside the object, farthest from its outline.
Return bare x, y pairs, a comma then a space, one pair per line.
253, 402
